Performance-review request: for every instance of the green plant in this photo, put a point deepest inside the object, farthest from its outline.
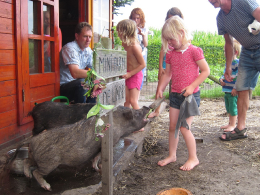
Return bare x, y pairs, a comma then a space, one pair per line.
152, 75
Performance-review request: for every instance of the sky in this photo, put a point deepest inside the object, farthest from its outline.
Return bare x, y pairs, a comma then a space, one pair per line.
199, 15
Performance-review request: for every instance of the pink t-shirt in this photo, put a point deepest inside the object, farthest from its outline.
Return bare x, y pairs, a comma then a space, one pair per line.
183, 67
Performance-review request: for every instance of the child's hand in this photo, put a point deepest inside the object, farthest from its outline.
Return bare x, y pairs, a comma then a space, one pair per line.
234, 92
161, 72
139, 31
189, 90
222, 83
127, 75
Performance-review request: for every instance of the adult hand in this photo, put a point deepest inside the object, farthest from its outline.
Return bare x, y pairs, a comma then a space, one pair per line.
227, 75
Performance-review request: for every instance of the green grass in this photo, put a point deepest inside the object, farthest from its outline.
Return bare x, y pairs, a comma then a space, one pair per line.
211, 93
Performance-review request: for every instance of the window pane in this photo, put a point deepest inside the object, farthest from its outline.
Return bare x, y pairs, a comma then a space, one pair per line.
34, 57
47, 56
47, 21
33, 27
101, 19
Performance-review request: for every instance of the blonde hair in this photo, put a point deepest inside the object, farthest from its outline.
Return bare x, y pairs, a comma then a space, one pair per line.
127, 29
140, 12
236, 47
173, 27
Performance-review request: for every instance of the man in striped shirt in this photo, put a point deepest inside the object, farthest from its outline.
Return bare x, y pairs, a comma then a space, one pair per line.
232, 21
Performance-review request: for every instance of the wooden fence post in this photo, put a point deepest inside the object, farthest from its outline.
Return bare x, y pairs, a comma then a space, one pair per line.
107, 159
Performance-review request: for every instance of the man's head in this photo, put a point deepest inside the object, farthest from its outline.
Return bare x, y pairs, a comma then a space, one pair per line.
83, 34
215, 3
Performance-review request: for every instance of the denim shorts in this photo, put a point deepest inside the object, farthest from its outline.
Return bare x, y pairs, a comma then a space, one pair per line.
248, 69
176, 99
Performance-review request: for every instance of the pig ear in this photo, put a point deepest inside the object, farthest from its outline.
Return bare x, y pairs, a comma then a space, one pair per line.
128, 114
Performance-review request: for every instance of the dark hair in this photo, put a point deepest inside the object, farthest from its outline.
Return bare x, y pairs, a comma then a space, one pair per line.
81, 25
174, 11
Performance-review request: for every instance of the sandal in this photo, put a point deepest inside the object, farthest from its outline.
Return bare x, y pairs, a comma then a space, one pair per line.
233, 136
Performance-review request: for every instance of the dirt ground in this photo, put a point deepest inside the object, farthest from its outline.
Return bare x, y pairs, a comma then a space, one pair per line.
225, 167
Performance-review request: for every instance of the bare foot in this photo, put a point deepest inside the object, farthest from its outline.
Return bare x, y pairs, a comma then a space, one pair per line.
166, 161
229, 128
139, 130
153, 114
224, 127
189, 165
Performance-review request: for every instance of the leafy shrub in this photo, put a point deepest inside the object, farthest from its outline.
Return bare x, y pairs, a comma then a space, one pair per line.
152, 75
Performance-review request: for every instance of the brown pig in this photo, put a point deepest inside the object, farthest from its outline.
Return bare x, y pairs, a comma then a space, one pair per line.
75, 144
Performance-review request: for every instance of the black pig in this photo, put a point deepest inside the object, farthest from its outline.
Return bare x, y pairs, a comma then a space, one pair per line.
49, 115
75, 144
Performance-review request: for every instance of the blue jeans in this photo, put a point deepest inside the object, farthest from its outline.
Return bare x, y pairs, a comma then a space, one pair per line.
176, 99
248, 69
75, 92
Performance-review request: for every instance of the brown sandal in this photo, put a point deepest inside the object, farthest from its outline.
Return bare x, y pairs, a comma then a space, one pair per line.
233, 136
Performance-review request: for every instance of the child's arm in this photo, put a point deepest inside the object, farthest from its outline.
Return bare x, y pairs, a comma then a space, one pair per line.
164, 80
204, 73
140, 60
161, 70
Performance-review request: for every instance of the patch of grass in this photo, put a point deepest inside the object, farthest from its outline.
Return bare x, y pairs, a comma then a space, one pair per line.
212, 93
256, 91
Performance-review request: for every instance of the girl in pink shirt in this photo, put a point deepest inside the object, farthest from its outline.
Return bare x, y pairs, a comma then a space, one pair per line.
182, 66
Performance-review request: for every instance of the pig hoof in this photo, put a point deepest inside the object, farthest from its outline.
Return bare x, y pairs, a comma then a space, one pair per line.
46, 186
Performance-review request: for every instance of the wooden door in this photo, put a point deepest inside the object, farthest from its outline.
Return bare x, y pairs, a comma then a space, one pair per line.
38, 80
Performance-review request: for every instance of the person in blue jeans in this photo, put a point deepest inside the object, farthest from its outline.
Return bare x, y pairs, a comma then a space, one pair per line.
230, 91
75, 61
233, 20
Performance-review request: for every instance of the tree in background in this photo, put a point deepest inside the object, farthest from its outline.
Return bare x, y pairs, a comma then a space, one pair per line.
120, 3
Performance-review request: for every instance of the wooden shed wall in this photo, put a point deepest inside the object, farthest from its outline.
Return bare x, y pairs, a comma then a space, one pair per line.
10, 131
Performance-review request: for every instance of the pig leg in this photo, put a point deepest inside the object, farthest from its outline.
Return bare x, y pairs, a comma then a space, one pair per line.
26, 167
27, 163
96, 164
40, 180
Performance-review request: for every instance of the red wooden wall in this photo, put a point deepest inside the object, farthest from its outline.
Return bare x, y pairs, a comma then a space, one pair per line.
9, 128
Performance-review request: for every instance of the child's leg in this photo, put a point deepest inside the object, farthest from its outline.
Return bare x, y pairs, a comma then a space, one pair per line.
232, 123
191, 145
155, 113
133, 98
227, 108
127, 98
173, 142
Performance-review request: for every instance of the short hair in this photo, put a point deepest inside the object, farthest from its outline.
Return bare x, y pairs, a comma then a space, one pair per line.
82, 25
172, 28
236, 47
174, 11
127, 28
140, 12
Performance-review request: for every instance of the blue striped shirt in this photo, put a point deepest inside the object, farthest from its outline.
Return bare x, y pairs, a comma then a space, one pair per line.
230, 85
236, 23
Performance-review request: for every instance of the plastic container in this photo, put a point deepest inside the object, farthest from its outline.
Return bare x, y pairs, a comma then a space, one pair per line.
17, 165
175, 191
